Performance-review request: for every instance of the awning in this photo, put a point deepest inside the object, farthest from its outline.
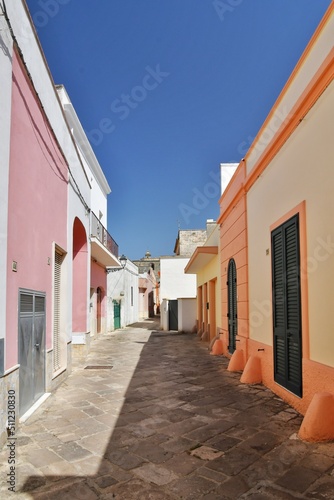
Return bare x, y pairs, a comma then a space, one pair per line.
201, 257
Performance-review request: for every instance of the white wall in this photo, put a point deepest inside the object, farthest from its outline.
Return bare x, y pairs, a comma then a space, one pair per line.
187, 310
119, 288
5, 121
226, 173
174, 283
164, 322
98, 183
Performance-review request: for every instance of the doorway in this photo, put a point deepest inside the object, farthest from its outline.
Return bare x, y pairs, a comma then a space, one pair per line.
31, 348
287, 306
232, 305
173, 315
98, 309
117, 315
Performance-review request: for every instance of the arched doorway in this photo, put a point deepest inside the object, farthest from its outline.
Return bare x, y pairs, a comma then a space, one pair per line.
79, 288
232, 305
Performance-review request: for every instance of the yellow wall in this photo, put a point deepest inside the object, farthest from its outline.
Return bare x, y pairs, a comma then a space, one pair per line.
210, 272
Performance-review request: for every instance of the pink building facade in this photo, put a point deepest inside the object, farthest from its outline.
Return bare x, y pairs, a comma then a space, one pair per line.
54, 250
36, 245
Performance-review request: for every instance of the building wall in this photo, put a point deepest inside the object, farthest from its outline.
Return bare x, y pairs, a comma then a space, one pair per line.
286, 172
79, 261
164, 314
99, 202
43, 82
98, 280
186, 315
319, 48
33, 222
189, 240
37, 205
120, 284
173, 282
233, 244
146, 287
91, 176
206, 275
99, 187
5, 106
299, 179
40, 202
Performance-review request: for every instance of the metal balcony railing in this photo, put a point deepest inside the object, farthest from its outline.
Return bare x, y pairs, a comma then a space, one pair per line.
99, 231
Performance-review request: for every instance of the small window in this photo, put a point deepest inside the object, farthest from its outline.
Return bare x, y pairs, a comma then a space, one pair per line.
132, 295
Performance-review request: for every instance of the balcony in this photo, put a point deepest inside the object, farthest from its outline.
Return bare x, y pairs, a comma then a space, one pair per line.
104, 249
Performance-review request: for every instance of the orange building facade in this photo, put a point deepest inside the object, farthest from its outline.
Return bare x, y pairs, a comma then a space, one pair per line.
277, 242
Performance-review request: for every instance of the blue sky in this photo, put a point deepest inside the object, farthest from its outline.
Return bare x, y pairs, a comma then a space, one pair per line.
166, 90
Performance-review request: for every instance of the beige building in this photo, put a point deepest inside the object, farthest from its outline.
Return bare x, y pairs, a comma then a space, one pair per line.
277, 227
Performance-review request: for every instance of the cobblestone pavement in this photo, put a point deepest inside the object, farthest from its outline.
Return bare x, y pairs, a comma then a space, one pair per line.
158, 418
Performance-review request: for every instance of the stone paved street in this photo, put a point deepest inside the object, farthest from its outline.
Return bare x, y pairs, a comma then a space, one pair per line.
155, 417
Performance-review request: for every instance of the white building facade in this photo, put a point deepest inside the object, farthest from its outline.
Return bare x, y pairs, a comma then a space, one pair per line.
178, 295
122, 295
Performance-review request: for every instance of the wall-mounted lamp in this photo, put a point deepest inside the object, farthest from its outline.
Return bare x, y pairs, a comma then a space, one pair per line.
123, 260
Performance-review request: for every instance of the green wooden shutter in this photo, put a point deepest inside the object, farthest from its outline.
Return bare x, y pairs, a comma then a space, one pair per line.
232, 304
287, 306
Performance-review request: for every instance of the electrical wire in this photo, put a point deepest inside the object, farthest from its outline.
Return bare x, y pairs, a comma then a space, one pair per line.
112, 291
45, 119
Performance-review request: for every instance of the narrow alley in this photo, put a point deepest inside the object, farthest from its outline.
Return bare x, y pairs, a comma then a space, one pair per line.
151, 415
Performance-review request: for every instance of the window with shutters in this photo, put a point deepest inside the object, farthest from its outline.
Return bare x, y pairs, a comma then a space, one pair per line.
232, 305
287, 305
56, 311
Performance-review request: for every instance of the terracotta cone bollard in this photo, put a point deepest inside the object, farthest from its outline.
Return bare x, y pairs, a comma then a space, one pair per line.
217, 348
252, 373
318, 423
237, 362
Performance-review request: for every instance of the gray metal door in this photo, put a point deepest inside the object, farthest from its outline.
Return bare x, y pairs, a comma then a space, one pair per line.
31, 348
